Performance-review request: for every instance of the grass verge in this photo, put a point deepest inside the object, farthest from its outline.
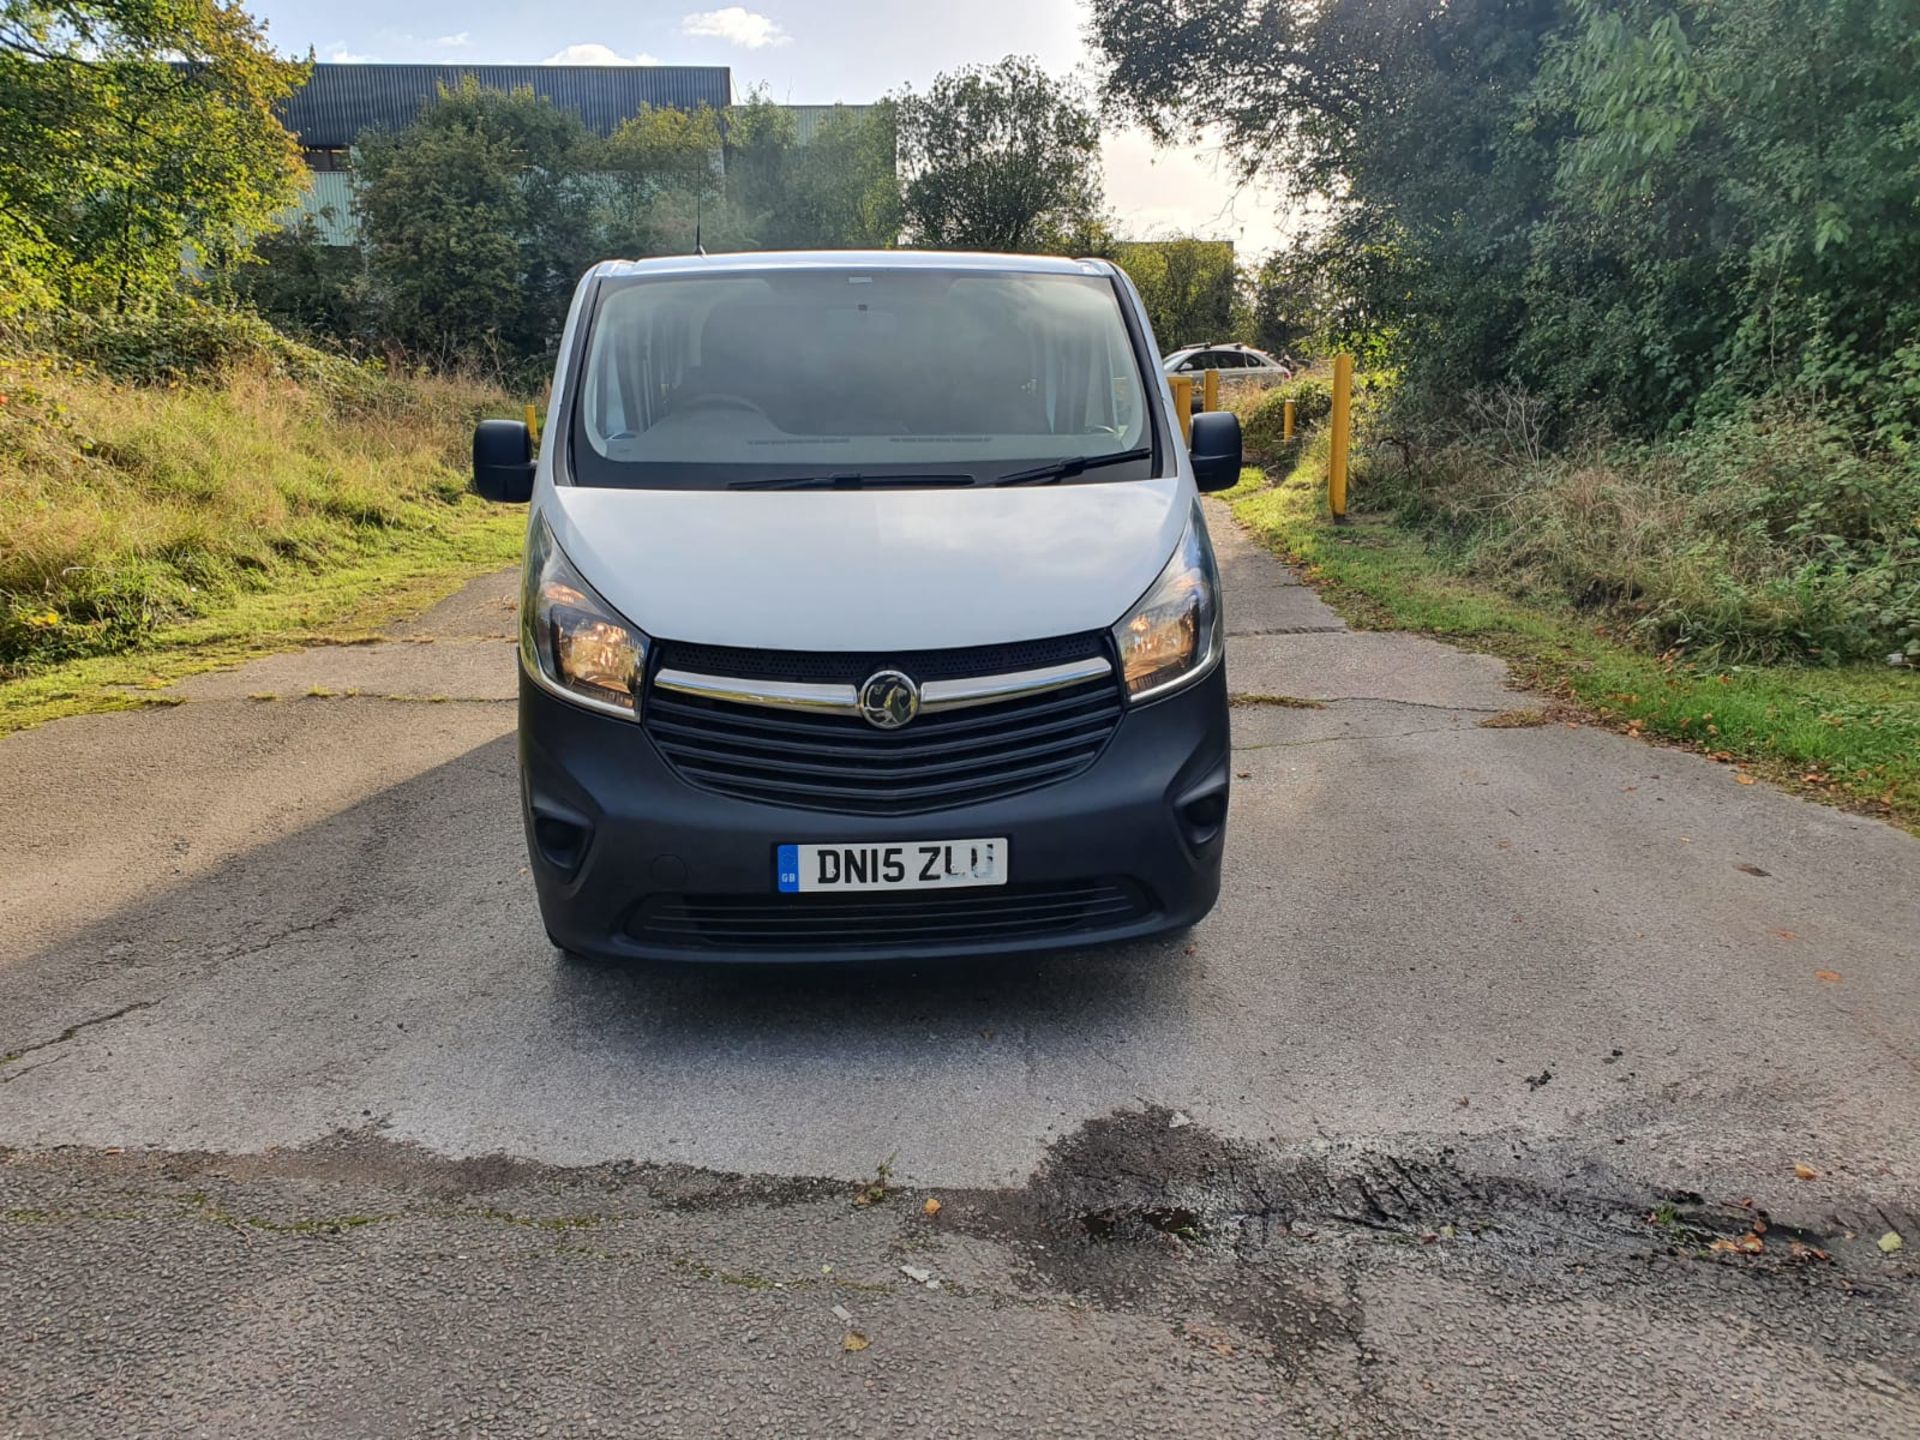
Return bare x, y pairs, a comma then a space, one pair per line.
347, 605
258, 498
1849, 735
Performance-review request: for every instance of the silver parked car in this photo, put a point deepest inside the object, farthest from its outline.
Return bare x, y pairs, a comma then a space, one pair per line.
1235, 363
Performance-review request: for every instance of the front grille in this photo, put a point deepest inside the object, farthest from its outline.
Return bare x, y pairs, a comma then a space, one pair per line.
842, 764
768, 924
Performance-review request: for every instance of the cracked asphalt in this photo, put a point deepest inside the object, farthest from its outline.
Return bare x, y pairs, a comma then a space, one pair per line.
1474, 1109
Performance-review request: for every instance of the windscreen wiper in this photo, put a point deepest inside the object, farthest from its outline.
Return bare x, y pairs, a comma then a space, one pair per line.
1061, 469
849, 480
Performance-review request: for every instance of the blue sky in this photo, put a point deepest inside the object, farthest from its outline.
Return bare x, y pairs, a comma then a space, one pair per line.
803, 51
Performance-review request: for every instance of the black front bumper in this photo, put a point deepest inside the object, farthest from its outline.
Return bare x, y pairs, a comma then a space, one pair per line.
630, 860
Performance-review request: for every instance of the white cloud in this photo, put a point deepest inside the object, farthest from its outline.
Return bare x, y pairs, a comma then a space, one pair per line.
737, 26
455, 42
340, 55
596, 54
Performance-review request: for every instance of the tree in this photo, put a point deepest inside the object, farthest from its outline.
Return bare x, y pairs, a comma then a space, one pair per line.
478, 220
998, 158
760, 147
133, 134
1645, 211
305, 285
664, 182
1189, 286
842, 186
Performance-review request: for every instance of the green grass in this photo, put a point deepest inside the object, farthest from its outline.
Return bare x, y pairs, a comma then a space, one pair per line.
1849, 735
347, 605
152, 530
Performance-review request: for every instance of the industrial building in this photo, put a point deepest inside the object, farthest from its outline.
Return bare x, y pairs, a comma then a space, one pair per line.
340, 101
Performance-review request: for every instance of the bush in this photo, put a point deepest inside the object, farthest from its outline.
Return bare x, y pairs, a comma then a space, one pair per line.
1763, 536
1263, 420
187, 340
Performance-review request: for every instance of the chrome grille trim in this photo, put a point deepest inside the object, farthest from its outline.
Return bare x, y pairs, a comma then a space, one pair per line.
774, 694
938, 695
935, 695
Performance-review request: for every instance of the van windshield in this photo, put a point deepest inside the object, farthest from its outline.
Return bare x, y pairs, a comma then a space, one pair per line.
961, 377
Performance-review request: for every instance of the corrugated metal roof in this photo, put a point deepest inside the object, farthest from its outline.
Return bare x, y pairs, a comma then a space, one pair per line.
340, 101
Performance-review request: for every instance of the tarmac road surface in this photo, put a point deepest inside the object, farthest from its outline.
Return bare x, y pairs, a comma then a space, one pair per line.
1462, 1114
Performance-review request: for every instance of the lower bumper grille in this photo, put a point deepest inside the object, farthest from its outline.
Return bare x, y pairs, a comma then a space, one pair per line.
770, 924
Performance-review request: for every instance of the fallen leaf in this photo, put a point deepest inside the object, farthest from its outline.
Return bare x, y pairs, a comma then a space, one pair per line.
1805, 1172
1192, 948
931, 1208
1827, 977
1783, 934
1752, 870
854, 1340
1744, 779
1891, 1242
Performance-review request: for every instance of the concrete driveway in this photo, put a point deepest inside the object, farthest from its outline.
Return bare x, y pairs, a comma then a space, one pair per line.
1475, 1107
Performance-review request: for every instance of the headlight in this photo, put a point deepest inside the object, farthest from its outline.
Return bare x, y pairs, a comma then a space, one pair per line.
571, 641
1173, 634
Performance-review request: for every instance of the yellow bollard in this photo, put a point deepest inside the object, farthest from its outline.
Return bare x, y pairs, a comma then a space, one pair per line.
1210, 391
533, 426
1342, 433
1286, 422
1183, 405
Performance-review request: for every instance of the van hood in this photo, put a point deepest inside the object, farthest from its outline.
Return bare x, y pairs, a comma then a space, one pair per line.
870, 569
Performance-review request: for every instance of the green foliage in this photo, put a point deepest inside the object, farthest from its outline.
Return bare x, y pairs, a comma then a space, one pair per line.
1764, 537
1645, 212
998, 158
133, 133
478, 221
660, 181
1189, 286
760, 151
186, 340
305, 285
1263, 417
841, 191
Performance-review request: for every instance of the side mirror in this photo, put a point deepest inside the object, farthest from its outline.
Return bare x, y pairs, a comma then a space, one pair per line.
503, 461
1215, 449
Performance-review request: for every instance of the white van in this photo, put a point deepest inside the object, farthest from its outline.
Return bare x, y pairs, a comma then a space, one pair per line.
868, 613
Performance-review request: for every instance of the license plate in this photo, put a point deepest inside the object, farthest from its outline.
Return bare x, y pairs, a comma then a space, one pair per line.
906, 865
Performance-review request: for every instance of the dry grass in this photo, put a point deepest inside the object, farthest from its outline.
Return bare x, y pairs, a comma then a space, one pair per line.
1766, 539
126, 509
